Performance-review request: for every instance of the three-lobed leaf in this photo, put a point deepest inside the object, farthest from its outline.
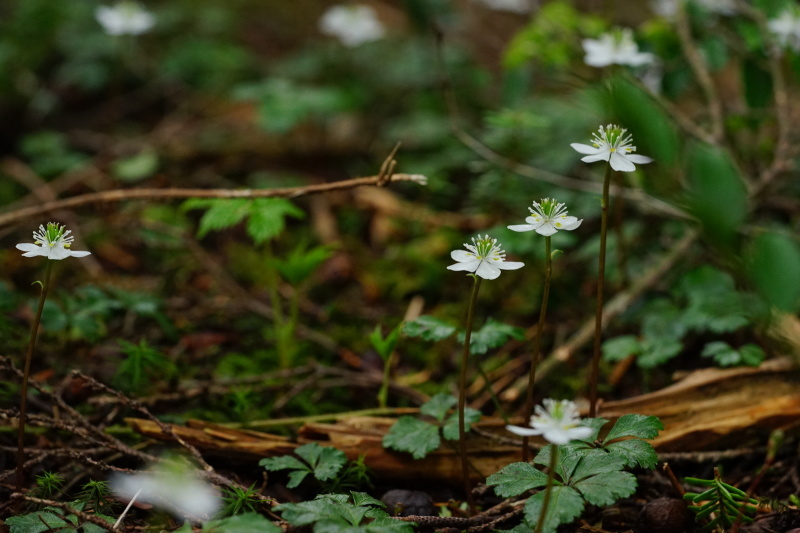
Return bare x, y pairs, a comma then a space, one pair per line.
324, 462
515, 479
450, 427
412, 435
438, 406
428, 328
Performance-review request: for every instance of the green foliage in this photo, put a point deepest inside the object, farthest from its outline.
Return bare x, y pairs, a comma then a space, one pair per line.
493, 334
717, 195
48, 484
704, 300
97, 496
428, 328
136, 167
586, 471
142, 368
418, 437
338, 513
323, 462
298, 265
720, 499
550, 36
725, 355
54, 519
266, 217
385, 346
773, 266
240, 523
239, 500
49, 153
283, 103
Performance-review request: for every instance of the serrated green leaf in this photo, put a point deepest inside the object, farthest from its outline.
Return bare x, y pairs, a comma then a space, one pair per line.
37, 522
282, 463
450, 428
428, 328
632, 425
620, 348
438, 406
593, 462
301, 263
607, 487
268, 217
596, 424
413, 436
308, 512
634, 452
566, 504
515, 479
492, 335
220, 214
569, 456
325, 461
296, 477
362, 499
751, 354
243, 523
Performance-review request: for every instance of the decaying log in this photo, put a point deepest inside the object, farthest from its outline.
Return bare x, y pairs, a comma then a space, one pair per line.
711, 409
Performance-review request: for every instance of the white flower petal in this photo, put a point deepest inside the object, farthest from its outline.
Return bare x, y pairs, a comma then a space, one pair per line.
470, 266
601, 156
523, 432
620, 163
462, 256
584, 148
508, 265
546, 229
76, 253
488, 271
522, 227
570, 223
639, 159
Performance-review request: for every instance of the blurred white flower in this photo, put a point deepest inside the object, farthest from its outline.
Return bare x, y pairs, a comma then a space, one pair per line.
514, 6
615, 48
484, 258
547, 217
786, 28
613, 145
558, 422
124, 18
352, 24
171, 486
665, 8
52, 242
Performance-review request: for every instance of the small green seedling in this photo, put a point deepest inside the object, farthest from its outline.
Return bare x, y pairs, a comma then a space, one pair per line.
418, 437
239, 500
323, 462
335, 513
720, 504
385, 347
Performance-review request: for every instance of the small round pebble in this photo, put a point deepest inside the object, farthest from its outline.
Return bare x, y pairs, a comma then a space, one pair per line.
665, 515
400, 502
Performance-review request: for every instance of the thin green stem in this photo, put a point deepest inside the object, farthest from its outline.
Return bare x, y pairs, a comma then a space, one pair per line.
462, 394
383, 393
279, 318
619, 230
537, 343
601, 275
549, 490
23, 396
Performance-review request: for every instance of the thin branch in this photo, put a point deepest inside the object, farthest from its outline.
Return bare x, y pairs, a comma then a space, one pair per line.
120, 195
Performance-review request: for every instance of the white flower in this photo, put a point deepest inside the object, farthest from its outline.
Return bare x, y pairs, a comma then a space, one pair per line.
558, 423
613, 145
786, 28
52, 243
665, 8
484, 258
514, 6
172, 487
615, 48
125, 18
352, 25
547, 217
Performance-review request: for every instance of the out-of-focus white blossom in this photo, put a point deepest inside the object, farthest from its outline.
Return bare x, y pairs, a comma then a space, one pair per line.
786, 28
171, 486
124, 18
615, 48
722, 7
352, 24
